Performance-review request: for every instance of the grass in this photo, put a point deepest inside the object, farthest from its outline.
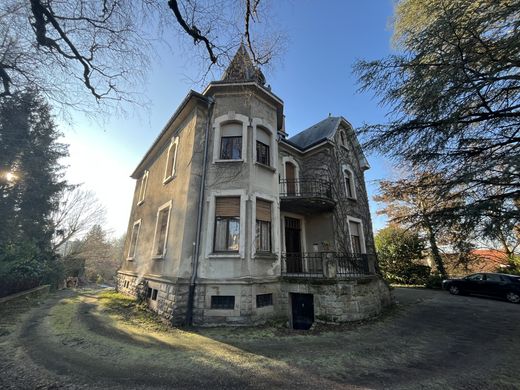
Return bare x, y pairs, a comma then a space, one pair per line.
112, 335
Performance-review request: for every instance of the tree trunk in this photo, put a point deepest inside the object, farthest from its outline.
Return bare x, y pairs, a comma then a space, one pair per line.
435, 251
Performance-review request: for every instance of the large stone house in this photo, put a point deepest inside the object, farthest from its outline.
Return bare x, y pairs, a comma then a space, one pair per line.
233, 222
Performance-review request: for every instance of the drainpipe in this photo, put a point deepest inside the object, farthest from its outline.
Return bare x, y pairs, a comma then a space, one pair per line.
195, 262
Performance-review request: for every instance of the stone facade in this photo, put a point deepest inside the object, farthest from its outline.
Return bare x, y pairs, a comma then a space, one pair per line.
296, 186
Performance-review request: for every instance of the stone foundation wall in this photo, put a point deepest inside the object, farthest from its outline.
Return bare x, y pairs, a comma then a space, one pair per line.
342, 300
172, 298
334, 300
245, 311
126, 284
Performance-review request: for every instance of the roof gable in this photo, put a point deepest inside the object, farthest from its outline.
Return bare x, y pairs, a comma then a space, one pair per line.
325, 131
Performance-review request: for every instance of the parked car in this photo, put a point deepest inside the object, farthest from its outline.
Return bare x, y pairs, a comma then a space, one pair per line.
493, 285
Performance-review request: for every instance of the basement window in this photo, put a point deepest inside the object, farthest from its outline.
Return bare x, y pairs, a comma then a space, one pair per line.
223, 302
263, 300
151, 293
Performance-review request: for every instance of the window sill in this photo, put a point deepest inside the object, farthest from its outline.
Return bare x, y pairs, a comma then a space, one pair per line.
140, 202
222, 255
229, 161
161, 257
265, 256
351, 198
268, 167
169, 179
130, 258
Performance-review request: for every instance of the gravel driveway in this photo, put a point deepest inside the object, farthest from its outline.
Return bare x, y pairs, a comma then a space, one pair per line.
431, 340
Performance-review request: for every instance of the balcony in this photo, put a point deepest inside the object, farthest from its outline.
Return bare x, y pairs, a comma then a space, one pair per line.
306, 196
330, 265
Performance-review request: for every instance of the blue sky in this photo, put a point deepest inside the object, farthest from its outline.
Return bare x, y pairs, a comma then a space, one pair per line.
313, 77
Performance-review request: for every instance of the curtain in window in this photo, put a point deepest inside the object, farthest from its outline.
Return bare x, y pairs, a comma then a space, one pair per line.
231, 148
227, 224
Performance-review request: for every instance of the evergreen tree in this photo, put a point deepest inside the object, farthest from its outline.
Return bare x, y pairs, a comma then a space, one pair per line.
453, 91
31, 179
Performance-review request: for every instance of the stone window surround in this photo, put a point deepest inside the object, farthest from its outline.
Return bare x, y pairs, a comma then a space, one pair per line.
138, 222
344, 168
232, 117
173, 165
210, 234
162, 207
293, 161
143, 184
273, 153
275, 223
363, 242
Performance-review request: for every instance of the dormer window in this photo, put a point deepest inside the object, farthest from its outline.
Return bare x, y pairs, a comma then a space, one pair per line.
350, 188
171, 160
343, 138
142, 188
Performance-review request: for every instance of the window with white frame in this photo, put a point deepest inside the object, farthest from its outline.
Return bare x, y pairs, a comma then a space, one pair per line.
231, 141
348, 177
171, 159
263, 142
161, 230
143, 183
227, 224
263, 226
133, 240
356, 236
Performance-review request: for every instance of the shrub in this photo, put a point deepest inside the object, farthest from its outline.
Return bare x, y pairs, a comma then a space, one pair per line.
434, 281
23, 267
408, 273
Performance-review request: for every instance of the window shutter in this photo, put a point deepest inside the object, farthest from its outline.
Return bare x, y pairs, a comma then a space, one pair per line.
354, 229
227, 207
263, 210
263, 136
231, 130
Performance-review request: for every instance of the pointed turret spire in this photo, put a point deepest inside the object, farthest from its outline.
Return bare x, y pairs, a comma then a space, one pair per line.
242, 69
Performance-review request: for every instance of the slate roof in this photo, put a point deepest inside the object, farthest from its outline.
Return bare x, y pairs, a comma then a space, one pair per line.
242, 69
319, 132
322, 131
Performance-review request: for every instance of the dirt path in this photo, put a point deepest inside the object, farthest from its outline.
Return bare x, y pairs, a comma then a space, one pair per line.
432, 341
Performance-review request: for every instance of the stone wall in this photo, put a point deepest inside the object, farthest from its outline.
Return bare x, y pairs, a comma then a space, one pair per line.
342, 300
335, 300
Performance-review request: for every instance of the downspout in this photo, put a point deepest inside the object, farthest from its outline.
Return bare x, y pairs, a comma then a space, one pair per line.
195, 262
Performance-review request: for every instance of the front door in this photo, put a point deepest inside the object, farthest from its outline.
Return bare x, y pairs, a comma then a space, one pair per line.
293, 247
302, 310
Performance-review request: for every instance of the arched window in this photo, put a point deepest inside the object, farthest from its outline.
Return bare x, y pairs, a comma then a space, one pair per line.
142, 188
263, 148
350, 187
230, 137
231, 141
343, 138
171, 160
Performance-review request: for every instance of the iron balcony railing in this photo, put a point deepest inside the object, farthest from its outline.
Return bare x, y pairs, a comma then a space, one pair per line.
326, 265
305, 188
